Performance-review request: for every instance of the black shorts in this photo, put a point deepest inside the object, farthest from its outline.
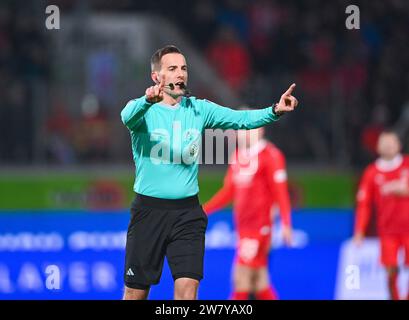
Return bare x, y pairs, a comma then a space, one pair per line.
159, 227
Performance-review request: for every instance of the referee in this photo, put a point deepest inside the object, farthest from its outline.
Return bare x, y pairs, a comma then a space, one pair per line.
166, 217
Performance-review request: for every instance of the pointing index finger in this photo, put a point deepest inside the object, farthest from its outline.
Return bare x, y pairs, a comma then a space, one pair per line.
162, 82
290, 90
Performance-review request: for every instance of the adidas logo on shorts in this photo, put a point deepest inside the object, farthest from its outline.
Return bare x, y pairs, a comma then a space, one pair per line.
130, 272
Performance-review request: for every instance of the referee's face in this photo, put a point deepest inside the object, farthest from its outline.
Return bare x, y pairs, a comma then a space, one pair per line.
174, 70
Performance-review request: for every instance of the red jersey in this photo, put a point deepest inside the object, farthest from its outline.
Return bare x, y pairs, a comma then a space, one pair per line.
255, 181
375, 192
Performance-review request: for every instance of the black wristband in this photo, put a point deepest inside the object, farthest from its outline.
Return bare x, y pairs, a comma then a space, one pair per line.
148, 102
277, 114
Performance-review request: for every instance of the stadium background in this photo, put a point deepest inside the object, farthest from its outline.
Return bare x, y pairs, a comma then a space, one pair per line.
66, 170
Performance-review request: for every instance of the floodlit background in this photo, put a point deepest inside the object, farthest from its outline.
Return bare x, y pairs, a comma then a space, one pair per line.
66, 170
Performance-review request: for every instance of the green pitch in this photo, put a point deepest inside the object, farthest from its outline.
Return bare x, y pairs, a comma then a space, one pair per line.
77, 190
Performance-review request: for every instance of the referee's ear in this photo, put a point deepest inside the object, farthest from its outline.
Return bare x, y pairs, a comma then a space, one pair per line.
155, 77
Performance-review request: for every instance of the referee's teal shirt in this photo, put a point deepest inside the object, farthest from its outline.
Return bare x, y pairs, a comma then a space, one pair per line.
166, 139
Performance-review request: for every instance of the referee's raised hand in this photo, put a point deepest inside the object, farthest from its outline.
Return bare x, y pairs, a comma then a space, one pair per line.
154, 93
287, 102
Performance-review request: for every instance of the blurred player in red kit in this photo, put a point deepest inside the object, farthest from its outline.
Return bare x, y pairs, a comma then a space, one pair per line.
255, 182
385, 188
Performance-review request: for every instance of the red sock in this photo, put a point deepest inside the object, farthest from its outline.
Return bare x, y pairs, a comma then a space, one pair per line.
267, 294
393, 286
240, 296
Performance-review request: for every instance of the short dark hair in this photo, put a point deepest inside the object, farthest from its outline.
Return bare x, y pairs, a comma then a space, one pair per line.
390, 130
157, 56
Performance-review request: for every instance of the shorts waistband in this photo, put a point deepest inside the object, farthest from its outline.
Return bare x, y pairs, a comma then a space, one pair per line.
169, 204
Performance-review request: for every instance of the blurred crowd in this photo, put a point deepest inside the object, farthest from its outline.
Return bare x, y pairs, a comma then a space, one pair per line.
23, 63
351, 83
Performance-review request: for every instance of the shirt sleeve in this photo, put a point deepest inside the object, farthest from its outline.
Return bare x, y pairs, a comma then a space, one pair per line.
223, 197
364, 201
219, 117
134, 111
277, 178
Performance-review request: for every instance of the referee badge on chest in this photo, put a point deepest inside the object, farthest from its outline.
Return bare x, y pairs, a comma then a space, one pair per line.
192, 146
